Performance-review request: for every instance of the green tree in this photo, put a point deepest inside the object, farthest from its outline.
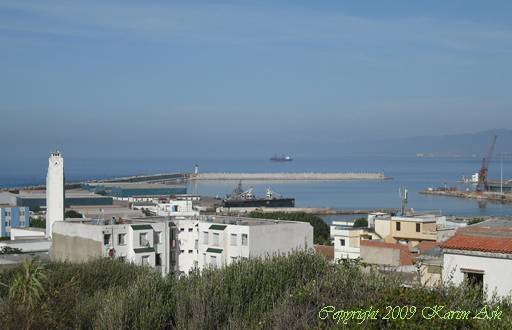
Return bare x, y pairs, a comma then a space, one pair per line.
72, 214
37, 222
361, 222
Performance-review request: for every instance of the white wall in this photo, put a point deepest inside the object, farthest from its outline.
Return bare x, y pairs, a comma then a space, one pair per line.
497, 271
21, 233
188, 234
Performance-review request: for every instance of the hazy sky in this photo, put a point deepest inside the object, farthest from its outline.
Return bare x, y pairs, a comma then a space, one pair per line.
241, 77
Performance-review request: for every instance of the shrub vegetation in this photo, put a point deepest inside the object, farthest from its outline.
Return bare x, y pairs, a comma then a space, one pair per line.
279, 292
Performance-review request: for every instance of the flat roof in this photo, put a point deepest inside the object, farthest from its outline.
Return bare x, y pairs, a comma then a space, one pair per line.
242, 221
107, 222
81, 194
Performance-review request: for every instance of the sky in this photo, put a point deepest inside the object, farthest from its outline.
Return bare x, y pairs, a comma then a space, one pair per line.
219, 78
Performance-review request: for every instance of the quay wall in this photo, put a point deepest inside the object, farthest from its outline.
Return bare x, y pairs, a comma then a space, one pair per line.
289, 176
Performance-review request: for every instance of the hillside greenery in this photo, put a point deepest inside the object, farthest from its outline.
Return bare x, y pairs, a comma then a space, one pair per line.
321, 231
279, 292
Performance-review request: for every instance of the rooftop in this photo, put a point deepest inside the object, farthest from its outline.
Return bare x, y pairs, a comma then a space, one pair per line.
479, 243
429, 217
242, 221
493, 235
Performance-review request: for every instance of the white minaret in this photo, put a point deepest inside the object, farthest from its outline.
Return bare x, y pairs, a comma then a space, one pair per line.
54, 191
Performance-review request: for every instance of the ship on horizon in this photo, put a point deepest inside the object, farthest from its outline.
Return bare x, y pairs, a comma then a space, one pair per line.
281, 158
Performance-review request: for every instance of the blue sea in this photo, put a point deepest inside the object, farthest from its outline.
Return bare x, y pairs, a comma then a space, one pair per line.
414, 173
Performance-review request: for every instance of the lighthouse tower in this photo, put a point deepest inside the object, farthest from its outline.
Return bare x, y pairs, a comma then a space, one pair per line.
54, 191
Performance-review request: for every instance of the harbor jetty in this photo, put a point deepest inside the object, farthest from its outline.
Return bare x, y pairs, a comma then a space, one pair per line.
496, 197
171, 178
306, 176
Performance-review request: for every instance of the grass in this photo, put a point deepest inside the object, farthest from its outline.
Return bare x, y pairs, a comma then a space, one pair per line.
279, 292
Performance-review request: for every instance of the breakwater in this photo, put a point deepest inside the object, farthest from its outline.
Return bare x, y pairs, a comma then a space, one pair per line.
307, 176
505, 198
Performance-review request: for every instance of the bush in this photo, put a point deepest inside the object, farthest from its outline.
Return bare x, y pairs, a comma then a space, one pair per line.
283, 292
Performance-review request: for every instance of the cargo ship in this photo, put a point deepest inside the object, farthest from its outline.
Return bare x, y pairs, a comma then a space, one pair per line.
241, 198
281, 158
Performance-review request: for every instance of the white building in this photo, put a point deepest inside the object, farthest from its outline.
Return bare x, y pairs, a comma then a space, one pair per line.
54, 191
178, 244
174, 208
482, 254
347, 239
140, 241
223, 239
184, 247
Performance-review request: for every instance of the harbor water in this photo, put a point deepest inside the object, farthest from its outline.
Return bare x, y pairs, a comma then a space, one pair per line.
414, 173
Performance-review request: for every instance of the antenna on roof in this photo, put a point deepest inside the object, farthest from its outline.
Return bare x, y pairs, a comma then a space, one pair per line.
403, 192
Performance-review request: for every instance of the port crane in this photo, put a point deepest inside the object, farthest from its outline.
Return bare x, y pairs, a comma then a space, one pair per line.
482, 174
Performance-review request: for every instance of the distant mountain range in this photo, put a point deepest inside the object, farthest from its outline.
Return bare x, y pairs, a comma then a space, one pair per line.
457, 145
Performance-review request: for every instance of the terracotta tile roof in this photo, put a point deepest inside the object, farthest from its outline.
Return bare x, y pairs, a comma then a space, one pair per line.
405, 256
479, 243
326, 251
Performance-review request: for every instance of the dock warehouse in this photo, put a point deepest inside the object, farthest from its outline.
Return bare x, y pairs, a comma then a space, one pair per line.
38, 199
126, 190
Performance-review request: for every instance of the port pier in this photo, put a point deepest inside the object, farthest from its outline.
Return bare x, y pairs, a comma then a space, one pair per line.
290, 176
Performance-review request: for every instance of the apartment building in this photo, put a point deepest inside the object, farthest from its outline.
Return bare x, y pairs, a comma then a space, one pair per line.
347, 239
409, 230
13, 217
140, 241
224, 240
178, 244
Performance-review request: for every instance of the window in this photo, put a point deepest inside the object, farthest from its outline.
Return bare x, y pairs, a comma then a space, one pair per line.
342, 242
475, 278
213, 261
244, 239
158, 259
158, 237
397, 226
121, 239
418, 227
190, 230
233, 239
106, 239
215, 239
143, 239
205, 237
145, 260
182, 229
190, 251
